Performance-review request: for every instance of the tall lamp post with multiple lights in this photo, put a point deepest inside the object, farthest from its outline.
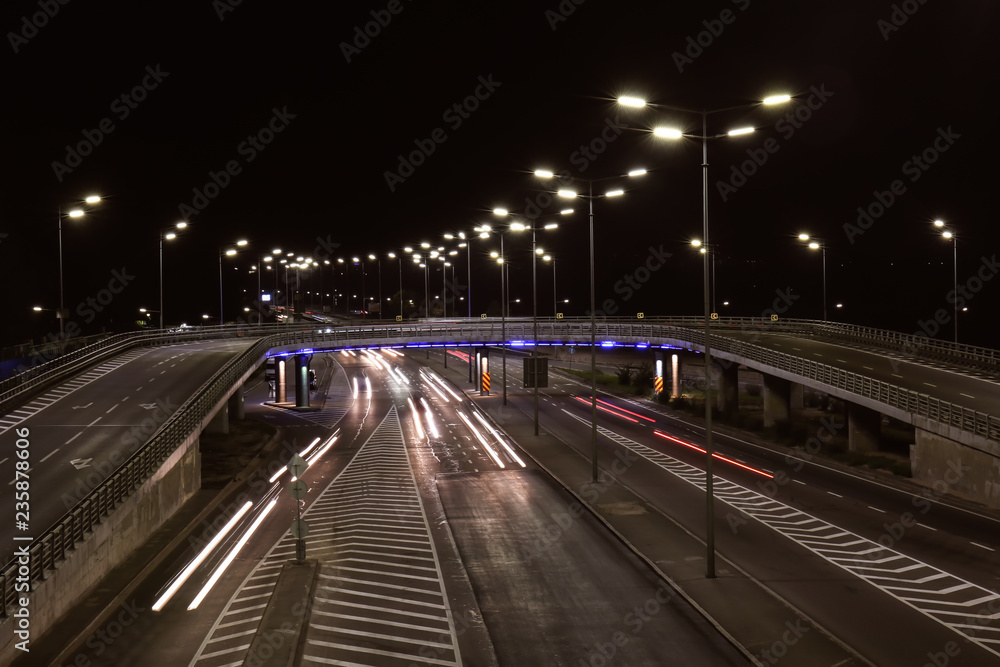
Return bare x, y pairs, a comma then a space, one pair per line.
673, 133
73, 213
950, 234
590, 197
520, 227
166, 235
226, 253
817, 244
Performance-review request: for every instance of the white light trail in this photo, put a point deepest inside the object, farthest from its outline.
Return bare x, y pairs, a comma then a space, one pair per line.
431, 426
496, 435
482, 440
229, 559
193, 565
416, 419
355, 387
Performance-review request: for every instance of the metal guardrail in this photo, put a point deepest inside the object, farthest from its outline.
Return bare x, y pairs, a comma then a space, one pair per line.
54, 544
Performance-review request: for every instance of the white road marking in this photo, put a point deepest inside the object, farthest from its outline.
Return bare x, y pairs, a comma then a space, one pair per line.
876, 509
74, 438
966, 395
45, 458
111, 408
930, 385
975, 544
95, 421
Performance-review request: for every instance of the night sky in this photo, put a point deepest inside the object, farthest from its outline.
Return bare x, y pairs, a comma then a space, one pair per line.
286, 124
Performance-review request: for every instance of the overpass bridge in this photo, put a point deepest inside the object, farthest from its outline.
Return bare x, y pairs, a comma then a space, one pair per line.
950, 429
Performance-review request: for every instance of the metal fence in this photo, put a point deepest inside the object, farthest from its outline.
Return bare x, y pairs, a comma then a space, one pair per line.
54, 544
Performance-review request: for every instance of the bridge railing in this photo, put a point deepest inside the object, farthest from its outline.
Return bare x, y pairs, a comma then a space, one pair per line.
54, 544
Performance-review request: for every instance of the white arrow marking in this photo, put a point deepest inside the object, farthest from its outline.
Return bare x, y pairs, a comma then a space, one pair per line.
81, 463
148, 406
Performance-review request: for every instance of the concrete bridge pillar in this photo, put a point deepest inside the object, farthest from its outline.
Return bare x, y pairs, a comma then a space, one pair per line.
796, 398
302, 380
220, 421
863, 426
236, 404
280, 368
727, 400
777, 400
674, 375
947, 466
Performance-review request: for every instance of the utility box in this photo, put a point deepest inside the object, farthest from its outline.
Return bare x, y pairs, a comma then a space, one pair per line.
536, 375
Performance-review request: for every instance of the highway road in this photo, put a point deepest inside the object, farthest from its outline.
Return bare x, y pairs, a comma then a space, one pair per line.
409, 573
894, 573
82, 430
972, 388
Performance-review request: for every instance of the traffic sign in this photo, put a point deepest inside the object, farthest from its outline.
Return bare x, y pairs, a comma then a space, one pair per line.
640, 315
296, 466
483, 316
298, 489
399, 318
559, 316
714, 316
299, 529
774, 318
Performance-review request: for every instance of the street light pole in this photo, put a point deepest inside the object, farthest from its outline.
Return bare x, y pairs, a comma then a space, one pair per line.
75, 213
949, 234
709, 448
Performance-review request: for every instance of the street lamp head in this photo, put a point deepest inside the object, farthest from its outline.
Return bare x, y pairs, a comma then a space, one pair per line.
76, 213
461, 235
37, 309
501, 211
566, 193
667, 132
230, 252
947, 234
449, 236
169, 236
637, 172
803, 237
813, 245
614, 193
776, 99
370, 256
92, 199
276, 251
740, 130
181, 225
630, 101
518, 227
939, 223
544, 173
546, 258
494, 254
242, 242
565, 211
551, 225
696, 243
392, 255
425, 245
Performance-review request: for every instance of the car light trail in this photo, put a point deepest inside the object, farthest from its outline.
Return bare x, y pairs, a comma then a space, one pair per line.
416, 419
482, 440
431, 426
444, 384
489, 427
430, 383
311, 445
229, 559
193, 565
696, 448
629, 412
355, 387
322, 451
601, 407
399, 372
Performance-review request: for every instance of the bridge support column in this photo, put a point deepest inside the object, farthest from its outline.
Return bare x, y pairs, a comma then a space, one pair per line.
302, 380
483, 370
777, 400
728, 398
951, 467
280, 395
675, 375
796, 397
863, 426
236, 404
220, 422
